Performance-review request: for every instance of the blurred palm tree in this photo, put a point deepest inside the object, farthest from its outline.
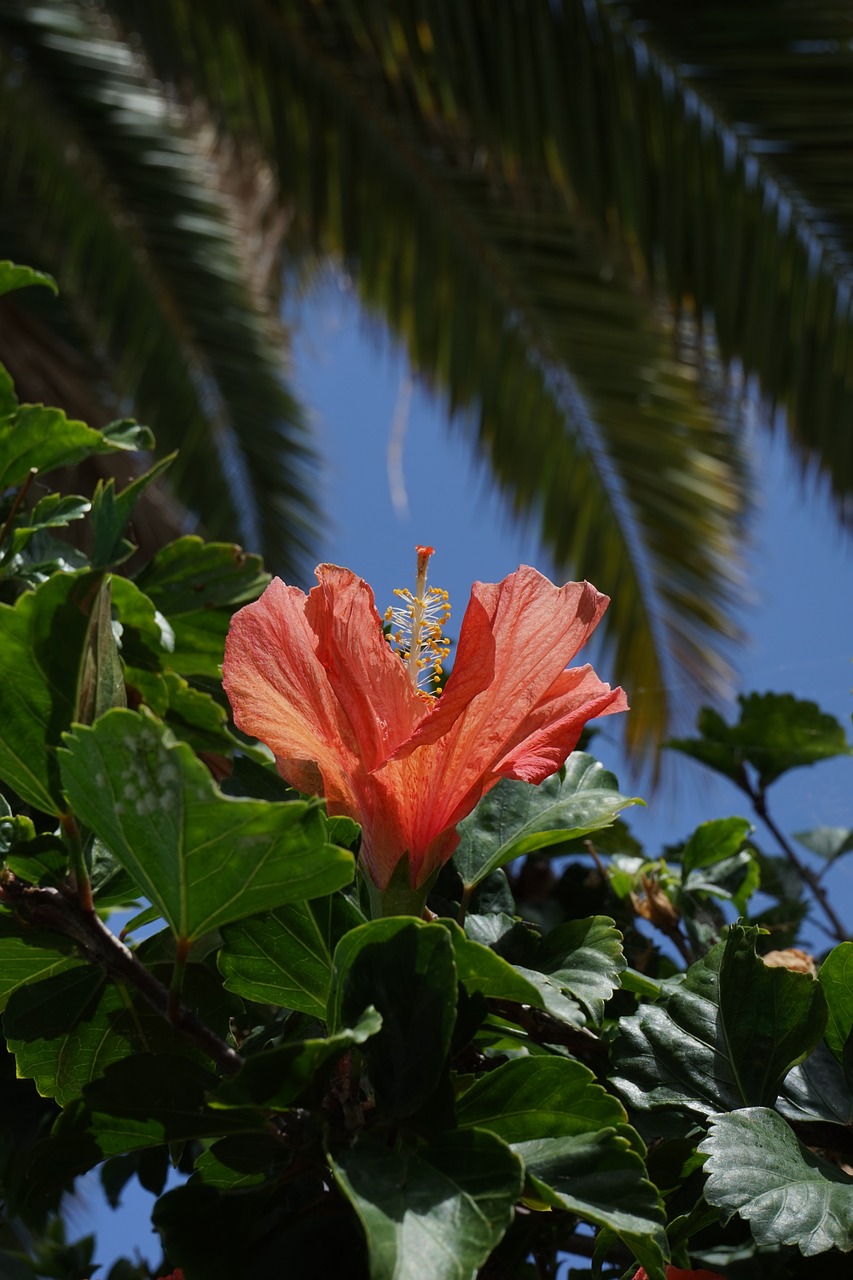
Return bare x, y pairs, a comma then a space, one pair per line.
601, 229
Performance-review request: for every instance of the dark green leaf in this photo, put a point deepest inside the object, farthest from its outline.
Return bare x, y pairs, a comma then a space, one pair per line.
775, 732
146, 1099
757, 1167
672, 1053
438, 1211
27, 955
817, 1090
111, 513
198, 585
516, 818
771, 1017
15, 277
585, 958
406, 969
540, 1097
597, 1175
202, 858
274, 1078
101, 676
65, 1030
40, 682
836, 980
243, 1160
480, 969
285, 956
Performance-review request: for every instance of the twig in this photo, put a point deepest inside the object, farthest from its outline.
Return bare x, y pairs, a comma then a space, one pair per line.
804, 871
63, 912
19, 498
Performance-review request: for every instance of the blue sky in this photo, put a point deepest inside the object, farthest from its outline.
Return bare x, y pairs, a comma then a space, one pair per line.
798, 572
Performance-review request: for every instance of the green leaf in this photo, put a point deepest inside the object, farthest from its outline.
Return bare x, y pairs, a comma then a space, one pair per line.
15, 277
285, 956
40, 682
585, 958
836, 980
203, 859
775, 732
197, 586
65, 1030
101, 675
33, 437
713, 842
480, 969
827, 842
54, 511
27, 955
672, 1053
758, 1168
597, 1175
242, 1160
406, 969
438, 1211
146, 1099
111, 513
817, 1090
771, 1017
532, 1098
516, 818
274, 1078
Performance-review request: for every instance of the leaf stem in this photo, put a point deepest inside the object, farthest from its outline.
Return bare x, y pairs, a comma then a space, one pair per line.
80, 881
64, 913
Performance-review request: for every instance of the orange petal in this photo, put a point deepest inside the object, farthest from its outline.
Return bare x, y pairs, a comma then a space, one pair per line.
368, 679
280, 693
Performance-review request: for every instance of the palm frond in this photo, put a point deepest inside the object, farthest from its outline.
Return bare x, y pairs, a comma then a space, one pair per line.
104, 182
566, 372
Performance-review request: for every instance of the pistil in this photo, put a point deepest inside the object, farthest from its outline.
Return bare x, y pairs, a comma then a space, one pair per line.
417, 628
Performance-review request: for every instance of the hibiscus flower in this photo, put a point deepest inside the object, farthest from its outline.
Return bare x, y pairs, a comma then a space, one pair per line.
315, 678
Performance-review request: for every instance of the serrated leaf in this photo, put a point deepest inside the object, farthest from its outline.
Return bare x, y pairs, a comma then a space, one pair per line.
40, 682
28, 955
540, 1097
758, 1168
111, 513
480, 969
836, 980
774, 733
516, 818
146, 1099
723, 1036
274, 1078
713, 842
197, 586
438, 1211
405, 968
585, 958
599, 1176
13, 276
284, 957
35, 437
202, 858
671, 1053
771, 1017
65, 1030
242, 1160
